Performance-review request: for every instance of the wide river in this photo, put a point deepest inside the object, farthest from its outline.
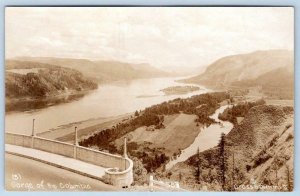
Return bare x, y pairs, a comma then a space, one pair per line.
108, 100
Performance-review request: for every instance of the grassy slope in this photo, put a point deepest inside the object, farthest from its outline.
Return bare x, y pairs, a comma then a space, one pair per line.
273, 70
243, 67
179, 132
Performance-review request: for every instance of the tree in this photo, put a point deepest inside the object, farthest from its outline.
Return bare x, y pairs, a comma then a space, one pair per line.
288, 179
198, 172
233, 171
139, 172
180, 176
275, 168
222, 160
136, 113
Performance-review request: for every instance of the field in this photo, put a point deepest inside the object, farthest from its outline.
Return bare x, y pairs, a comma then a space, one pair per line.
180, 131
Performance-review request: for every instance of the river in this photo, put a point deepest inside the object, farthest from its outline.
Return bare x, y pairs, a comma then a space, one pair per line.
108, 100
207, 138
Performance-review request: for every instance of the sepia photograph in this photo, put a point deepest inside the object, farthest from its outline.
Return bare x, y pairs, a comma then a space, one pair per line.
149, 99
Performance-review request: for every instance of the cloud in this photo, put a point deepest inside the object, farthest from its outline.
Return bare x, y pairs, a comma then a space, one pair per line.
164, 37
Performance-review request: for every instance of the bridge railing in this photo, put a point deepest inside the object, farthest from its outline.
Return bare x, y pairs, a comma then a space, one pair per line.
123, 177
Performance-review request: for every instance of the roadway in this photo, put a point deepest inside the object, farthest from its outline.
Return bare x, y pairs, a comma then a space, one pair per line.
23, 174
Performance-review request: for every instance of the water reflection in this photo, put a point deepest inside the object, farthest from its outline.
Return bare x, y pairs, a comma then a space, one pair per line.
35, 104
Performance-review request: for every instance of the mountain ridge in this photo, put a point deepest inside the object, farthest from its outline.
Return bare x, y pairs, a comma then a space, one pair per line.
102, 70
240, 67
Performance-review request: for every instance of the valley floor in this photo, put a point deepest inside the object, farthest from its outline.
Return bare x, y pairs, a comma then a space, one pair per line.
180, 131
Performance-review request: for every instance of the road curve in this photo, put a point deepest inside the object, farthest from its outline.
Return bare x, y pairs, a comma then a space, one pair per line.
23, 174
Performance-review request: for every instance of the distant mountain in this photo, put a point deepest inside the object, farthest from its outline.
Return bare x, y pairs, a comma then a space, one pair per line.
254, 68
102, 71
279, 77
32, 80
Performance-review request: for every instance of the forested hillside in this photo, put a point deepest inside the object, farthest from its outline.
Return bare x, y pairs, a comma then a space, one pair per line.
45, 80
259, 150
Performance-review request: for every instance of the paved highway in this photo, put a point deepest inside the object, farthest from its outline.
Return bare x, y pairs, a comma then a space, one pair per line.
23, 174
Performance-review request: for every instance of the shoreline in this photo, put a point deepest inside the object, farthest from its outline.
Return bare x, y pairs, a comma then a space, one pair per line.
66, 132
48, 101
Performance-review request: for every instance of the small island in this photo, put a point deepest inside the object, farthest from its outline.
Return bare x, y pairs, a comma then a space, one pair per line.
178, 90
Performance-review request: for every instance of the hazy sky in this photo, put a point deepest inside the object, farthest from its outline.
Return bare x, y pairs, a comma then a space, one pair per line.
163, 37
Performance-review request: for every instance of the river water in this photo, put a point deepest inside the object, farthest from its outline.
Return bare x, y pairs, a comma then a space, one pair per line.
207, 138
108, 100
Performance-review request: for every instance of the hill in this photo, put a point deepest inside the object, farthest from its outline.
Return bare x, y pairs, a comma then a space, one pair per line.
33, 80
278, 83
258, 151
271, 68
102, 71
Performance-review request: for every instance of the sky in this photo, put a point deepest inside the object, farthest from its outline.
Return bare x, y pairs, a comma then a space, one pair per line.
167, 37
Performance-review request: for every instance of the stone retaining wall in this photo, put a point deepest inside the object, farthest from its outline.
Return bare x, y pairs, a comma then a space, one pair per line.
122, 178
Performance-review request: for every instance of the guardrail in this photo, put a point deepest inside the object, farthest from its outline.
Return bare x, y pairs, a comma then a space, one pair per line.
119, 169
